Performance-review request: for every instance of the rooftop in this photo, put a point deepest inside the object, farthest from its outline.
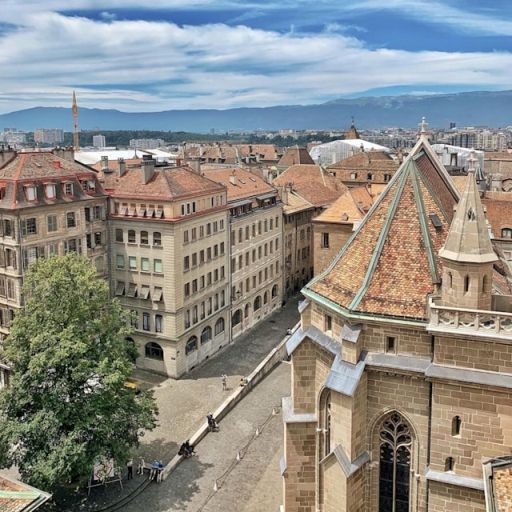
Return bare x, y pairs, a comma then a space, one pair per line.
367, 161
295, 155
19, 497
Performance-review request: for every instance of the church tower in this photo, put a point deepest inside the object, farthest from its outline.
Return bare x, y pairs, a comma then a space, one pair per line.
74, 110
467, 254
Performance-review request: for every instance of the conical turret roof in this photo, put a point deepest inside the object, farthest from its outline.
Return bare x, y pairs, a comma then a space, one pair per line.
468, 240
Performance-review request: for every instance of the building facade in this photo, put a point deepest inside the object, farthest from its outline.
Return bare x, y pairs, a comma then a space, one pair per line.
49, 136
170, 263
401, 370
49, 205
255, 223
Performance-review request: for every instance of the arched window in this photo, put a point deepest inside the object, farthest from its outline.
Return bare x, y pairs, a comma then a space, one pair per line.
219, 326
154, 351
157, 238
158, 323
206, 335
275, 290
456, 424
506, 233
466, 284
191, 345
485, 284
265, 298
257, 303
394, 465
144, 238
327, 425
246, 311
131, 236
237, 317
449, 464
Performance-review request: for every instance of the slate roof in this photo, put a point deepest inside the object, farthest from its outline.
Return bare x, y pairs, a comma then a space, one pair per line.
391, 263
247, 184
18, 497
312, 183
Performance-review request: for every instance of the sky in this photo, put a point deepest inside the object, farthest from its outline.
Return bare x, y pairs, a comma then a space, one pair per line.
135, 55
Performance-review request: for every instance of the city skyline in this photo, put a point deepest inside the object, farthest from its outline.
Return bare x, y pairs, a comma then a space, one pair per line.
205, 54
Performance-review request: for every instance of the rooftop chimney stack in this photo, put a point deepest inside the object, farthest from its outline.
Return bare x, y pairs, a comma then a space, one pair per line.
148, 168
122, 166
104, 164
233, 179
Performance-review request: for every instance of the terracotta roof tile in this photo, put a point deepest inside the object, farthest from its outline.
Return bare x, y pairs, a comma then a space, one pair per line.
22, 497
312, 183
367, 161
295, 155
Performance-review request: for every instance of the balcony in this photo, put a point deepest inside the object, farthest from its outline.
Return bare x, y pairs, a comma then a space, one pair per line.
471, 322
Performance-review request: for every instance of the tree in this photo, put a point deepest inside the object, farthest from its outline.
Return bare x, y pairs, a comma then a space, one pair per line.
67, 406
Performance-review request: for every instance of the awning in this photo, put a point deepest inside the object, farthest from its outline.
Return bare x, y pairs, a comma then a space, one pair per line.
120, 288
132, 290
157, 294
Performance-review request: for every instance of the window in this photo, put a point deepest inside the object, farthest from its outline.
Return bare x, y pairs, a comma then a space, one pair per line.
456, 424
206, 335
71, 220
119, 235
506, 233
11, 291
186, 289
68, 189
219, 326
187, 319
390, 344
73, 245
8, 231
144, 264
265, 298
157, 239
154, 351
257, 303
394, 465
328, 324
157, 265
51, 191
466, 284
145, 321
449, 464
194, 233
120, 261
485, 284
275, 290
237, 317
29, 226
222, 248
132, 262
158, 323
131, 236
191, 345
325, 240
186, 262
31, 193
144, 238
327, 425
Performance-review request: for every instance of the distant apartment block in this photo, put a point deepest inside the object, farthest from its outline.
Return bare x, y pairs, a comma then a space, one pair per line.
48, 136
146, 143
99, 141
13, 137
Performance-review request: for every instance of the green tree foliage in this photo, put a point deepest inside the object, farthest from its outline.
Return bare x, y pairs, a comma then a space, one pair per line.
67, 406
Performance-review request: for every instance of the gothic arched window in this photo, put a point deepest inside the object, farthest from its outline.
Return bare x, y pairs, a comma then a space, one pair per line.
395, 465
327, 425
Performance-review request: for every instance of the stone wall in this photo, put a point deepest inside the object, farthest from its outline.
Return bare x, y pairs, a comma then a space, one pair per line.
451, 498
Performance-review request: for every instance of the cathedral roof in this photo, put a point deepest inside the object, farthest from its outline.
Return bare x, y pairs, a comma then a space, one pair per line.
468, 240
391, 263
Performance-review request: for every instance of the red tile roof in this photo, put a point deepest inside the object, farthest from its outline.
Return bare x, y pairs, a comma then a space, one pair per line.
18, 497
295, 155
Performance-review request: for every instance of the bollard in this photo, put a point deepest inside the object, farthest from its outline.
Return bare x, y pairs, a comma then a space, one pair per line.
257, 432
238, 457
215, 486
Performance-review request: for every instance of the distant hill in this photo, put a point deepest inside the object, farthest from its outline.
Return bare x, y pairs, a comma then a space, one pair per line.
470, 108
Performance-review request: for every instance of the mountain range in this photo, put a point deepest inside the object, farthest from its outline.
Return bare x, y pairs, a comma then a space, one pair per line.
493, 109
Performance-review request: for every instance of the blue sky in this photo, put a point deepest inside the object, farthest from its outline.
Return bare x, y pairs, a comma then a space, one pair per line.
232, 53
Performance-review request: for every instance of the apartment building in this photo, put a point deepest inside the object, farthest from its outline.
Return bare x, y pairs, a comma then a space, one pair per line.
255, 223
170, 262
49, 205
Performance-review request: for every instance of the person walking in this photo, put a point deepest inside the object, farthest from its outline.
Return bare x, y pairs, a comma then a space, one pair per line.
129, 466
224, 382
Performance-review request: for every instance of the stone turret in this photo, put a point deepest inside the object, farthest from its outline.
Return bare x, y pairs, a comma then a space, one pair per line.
468, 255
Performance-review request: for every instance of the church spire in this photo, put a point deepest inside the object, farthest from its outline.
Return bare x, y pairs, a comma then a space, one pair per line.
468, 239
74, 110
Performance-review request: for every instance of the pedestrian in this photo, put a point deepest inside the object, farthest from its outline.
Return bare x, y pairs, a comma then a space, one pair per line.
140, 466
129, 466
224, 382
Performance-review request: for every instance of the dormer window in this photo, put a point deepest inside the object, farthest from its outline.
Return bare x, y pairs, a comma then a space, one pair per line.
30, 192
51, 190
68, 189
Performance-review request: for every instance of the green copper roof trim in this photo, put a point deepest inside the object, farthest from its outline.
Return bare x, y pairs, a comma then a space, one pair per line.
382, 238
20, 495
336, 308
348, 243
424, 227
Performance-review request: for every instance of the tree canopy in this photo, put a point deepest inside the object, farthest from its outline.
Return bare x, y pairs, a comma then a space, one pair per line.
67, 406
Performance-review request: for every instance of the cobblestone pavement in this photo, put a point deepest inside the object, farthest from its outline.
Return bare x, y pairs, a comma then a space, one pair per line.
252, 485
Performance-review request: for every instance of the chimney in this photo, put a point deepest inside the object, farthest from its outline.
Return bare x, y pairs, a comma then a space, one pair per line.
122, 166
148, 168
233, 179
65, 153
56, 164
104, 164
195, 165
283, 192
6, 155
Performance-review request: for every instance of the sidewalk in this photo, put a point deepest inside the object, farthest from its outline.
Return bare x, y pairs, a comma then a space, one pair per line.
251, 485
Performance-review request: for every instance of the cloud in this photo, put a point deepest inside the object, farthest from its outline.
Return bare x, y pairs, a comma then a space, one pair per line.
143, 65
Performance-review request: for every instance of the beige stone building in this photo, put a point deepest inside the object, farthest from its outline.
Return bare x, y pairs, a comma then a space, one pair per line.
169, 262
402, 366
49, 205
255, 224
305, 190
335, 225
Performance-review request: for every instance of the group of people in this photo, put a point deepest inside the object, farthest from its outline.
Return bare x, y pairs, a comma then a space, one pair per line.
212, 423
186, 449
224, 379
